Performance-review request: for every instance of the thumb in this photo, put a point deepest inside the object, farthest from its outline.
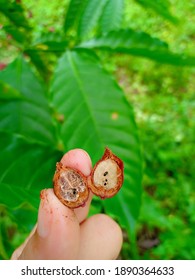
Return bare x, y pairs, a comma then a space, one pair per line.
57, 234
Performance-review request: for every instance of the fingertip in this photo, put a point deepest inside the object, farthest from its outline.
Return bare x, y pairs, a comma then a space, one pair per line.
78, 159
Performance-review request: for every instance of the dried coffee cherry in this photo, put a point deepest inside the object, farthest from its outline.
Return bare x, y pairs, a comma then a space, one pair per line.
106, 178
70, 186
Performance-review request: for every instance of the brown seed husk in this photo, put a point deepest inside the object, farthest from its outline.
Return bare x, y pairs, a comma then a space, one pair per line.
70, 186
107, 176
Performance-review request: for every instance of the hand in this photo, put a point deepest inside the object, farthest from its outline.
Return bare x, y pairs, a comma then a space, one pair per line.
63, 233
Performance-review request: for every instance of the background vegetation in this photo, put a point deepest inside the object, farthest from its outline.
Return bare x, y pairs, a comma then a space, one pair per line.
60, 60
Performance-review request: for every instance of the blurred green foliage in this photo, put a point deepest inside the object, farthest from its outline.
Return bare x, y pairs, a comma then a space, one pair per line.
162, 97
164, 105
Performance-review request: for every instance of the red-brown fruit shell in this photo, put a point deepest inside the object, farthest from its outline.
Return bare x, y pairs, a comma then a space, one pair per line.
106, 178
70, 186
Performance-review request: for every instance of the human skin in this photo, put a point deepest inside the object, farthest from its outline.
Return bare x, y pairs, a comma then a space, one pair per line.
63, 233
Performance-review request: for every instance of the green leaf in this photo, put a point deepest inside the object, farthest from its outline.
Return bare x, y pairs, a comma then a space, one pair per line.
73, 14
3, 251
38, 60
7, 92
161, 7
29, 117
112, 16
51, 41
96, 115
25, 169
125, 40
90, 16
14, 196
96, 207
14, 12
138, 44
18, 35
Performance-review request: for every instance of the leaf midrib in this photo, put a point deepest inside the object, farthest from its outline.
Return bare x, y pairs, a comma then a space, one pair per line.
79, 82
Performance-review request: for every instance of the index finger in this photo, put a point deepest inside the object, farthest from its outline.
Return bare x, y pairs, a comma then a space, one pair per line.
80, 160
